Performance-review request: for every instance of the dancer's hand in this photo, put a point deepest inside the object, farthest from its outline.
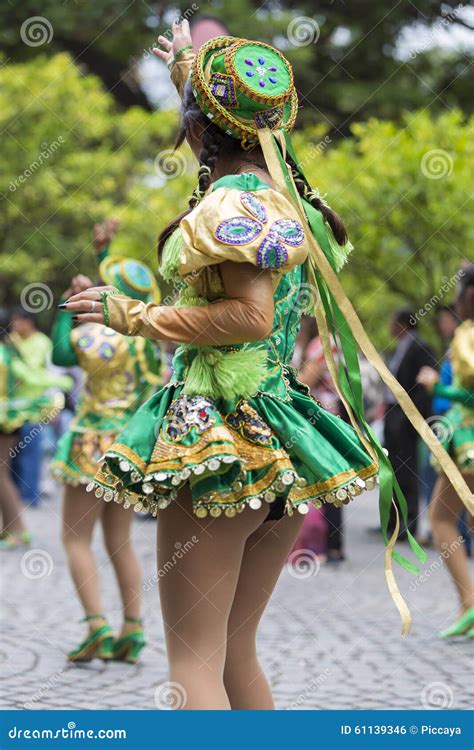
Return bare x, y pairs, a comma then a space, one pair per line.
105, 232
87, 305
427, 377
181, 38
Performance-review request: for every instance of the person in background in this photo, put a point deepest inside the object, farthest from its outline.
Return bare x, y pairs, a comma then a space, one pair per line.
400, 437
34, 349
120, 373
457, 435
16, 410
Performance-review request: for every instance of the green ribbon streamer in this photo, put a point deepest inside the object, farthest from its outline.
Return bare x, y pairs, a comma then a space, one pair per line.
349, 380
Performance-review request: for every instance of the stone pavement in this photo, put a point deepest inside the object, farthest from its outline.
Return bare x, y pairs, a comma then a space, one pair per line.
330, 638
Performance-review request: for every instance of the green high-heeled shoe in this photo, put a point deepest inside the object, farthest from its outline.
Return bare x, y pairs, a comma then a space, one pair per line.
461, 626
97, 645
11, 541
128, 647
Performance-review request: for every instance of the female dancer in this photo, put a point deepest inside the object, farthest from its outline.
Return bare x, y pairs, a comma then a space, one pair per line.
235, 443
22, 400
119, 371
458, 436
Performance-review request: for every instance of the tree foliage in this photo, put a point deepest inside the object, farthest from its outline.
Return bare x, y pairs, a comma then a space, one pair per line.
68, 160
405, 192
344, 54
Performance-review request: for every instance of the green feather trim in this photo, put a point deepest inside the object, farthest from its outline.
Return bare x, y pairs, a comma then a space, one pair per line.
171, 253
219, 374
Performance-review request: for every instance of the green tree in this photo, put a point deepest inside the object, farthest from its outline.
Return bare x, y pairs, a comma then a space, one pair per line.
68, 160
405, 192
344, 54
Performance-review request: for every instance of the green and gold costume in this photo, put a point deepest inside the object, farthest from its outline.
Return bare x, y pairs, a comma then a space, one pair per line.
24, 393
456, 427
121, 372
233, 451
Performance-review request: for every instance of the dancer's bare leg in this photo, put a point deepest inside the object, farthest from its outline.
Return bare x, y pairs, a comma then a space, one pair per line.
445, 510
197, 590
117, 526
10, 502
264, 557
81, 510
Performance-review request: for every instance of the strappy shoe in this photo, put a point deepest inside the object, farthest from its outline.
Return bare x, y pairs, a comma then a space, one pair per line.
128, 647
97, 645
461, 626
12, 541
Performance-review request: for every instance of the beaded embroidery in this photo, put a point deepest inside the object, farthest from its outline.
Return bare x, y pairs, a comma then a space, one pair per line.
271, 253
248, 423
256, 207
261, 71
238, 231
187, 412
223, 88
269, 118
288, 230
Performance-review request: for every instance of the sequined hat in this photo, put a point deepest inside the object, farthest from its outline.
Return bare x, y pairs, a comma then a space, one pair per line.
243, 86
131, 277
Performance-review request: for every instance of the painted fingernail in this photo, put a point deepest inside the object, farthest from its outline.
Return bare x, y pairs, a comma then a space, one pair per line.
62, 305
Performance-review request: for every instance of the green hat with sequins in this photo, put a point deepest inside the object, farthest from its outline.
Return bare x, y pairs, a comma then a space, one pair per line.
243, 86
131, 277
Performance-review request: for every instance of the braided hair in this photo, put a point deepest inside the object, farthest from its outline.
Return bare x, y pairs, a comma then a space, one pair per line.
213, 142
312, 196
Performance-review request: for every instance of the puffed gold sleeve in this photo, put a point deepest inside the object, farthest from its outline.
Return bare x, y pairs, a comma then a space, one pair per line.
246, 316
180, 70
260, 227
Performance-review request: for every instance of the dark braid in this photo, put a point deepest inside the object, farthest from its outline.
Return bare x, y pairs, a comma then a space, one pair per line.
312, 196
214, 142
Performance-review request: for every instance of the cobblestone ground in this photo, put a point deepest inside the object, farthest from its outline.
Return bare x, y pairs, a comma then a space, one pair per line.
329, 640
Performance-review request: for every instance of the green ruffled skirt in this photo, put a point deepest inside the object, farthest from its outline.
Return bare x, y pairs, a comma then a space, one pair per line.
235, 453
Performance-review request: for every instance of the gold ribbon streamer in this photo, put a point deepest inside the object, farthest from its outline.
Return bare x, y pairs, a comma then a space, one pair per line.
392, 586
319, 259
366, 346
